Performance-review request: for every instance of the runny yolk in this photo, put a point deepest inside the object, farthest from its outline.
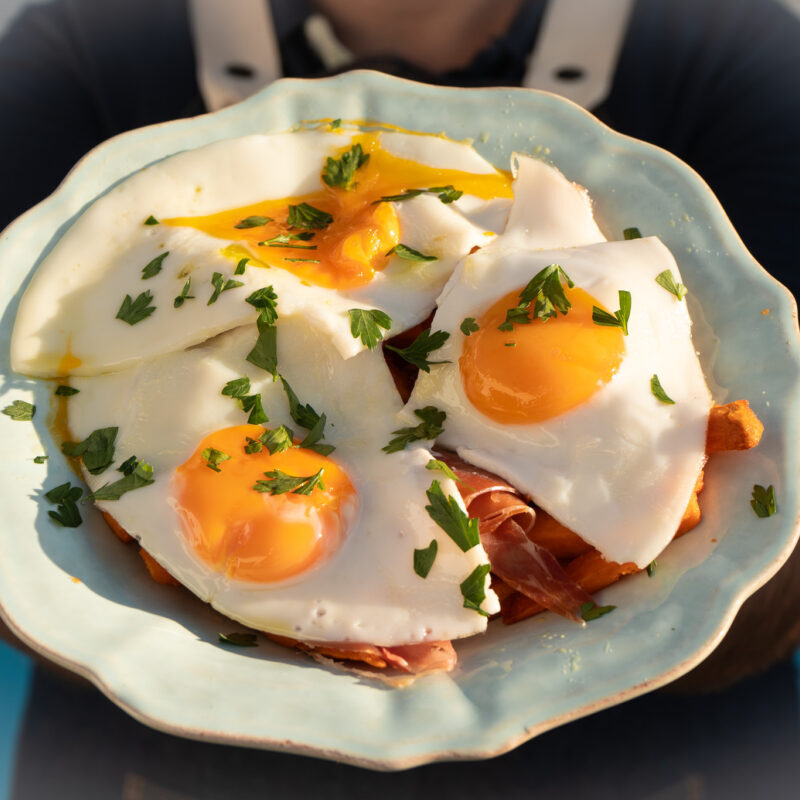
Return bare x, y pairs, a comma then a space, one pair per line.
552, 367
253, 536
346, 253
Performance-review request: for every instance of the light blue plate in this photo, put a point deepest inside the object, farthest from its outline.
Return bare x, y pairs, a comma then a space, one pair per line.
82, 599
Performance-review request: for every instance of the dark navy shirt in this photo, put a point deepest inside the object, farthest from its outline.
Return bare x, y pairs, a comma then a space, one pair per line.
717, 82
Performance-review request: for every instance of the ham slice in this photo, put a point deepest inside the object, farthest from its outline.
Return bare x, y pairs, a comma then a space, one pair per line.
505, 521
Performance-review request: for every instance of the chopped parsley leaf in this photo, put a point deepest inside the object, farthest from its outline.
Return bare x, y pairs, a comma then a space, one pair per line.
590, 611
336, 123
651, 568
20, 411
151, 220
469, 325
133, 311
239, 639
763, 502
214, 458
40, 459
97, 449
277, 439
424, 558
304, 215
430, 427
546, 291
366, 325
658, 391
303, 415
254, 221
398, 198
221, 286
445, 511
473, 588
63, 492
447, 194
66, 391
141, 475
264, 300
152, 268
128, 465
66, 498
434, 463
252, 404
631, 233
619, 319
184, 295
418, 351
238, 387
302, 260
265, 352
409, 253
311, 442
241, 265
340, 173
667, 281
281, 482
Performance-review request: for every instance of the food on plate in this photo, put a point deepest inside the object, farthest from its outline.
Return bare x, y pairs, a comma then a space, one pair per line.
363, 391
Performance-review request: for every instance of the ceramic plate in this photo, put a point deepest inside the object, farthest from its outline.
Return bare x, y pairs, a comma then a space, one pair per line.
83, 600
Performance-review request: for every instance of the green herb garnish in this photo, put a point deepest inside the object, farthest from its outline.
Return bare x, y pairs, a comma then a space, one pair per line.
141, 475
619, 319
445, 511
254, 221
430, 427
184, 295
667, 281
289, 239
281, 482
214, 458
447, 194
151, 220
546, 291
763, 502
20, 411
366, 325
277, 439
631, 233
265, 300
658, 391
66, 497
303, 415
409, 253
473, 588
340, 172
40, 459
440, 466
336, 123
133, 311
302, 260
239, 389
265, 352
153, 267
304, 215
66, 391
418, 351
128, 465
221, 286
97, 449
651, 568
424, 558
590, 611
241, 265
469, 325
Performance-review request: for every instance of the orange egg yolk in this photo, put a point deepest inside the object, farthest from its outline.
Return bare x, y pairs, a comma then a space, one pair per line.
254, 536
346, 253
539, 370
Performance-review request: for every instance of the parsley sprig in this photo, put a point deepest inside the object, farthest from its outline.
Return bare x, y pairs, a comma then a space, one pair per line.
340, 173
409, 253
546, 291
97, 449
281, 482
276, 440
619, 319
66, 497
304, 215
20, 411
214, 458
152, 268
135, 476
220, 285
418, 351
265, 352
667, 281
763, 502
239, 389
307, 417
473, 588
184, 295
445, 511
424, 558
469, 325
430, 427
366, 324
134, 311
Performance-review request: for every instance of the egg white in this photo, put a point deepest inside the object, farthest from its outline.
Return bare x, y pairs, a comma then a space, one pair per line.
72, 301
368, 590
619, 469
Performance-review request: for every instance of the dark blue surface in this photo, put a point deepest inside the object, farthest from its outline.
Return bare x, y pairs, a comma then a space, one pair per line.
742, 743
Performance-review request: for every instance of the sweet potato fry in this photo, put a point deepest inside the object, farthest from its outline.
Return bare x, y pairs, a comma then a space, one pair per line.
733, 426
555, 537
157, 572
120, 532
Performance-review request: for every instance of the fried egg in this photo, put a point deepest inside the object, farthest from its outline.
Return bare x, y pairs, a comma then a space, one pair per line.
564, 408
334, 564
147, 252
